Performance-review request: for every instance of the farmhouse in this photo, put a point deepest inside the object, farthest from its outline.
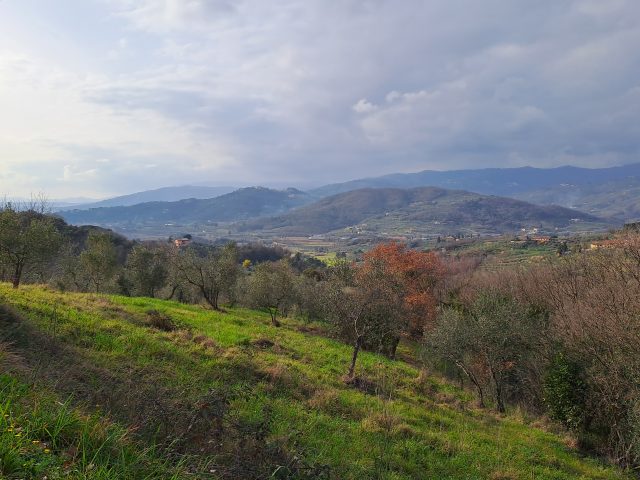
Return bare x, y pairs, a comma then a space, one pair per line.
182, 242
541, 239
607, 244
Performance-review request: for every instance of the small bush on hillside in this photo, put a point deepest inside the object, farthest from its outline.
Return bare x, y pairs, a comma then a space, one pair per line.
160, 321
565, 392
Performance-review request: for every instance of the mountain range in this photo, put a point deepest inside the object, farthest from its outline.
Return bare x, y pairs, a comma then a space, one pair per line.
482, 200
244, 203
491, 181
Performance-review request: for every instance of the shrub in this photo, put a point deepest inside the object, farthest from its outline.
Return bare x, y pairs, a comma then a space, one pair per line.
565, 392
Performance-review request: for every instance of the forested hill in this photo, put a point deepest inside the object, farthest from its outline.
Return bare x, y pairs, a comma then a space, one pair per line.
432, 209
244, 203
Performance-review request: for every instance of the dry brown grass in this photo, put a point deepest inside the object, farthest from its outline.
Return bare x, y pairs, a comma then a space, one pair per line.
384, 421
9, 360
160, 321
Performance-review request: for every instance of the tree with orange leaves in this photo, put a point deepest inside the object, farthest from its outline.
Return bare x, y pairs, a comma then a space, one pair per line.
390, 294
417, 273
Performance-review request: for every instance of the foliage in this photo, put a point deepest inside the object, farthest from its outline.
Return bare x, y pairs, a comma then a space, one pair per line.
271, 286
147, 269
27, 239
373, 304
212, 274
490, 341
565, 392
99, 261
594, 298
417, 274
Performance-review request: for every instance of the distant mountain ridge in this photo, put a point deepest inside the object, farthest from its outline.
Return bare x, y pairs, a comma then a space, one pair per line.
240, 204
490, 181
165, 194
612, 193
430, 210
615, 198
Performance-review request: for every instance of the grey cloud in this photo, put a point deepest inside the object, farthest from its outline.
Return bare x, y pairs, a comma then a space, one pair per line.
519, 80
310, 91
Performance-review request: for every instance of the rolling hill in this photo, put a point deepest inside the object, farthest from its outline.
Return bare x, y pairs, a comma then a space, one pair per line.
93, 389
614, 199
429, 210
241, 204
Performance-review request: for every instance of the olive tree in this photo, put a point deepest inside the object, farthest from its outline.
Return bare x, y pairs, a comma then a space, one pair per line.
212, 274
490, 341
365, 307
28, 238
271, 286
147, 269
99, 261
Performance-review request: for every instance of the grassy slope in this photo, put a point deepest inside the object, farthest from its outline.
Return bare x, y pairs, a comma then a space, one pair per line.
230, 404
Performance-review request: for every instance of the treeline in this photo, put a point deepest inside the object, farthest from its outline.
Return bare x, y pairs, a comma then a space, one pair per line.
560, 339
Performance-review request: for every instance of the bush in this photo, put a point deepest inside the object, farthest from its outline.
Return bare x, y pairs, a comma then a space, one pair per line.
565, 392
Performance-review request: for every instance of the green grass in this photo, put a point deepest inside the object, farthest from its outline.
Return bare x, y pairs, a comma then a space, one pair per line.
41, 437
229, 396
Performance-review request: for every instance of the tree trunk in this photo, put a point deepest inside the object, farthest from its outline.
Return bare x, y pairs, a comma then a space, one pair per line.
354, 357
274, 314
498, 393
173, 292
17, 275
212, 299
475, 382
394, 347
499, 401
480, 396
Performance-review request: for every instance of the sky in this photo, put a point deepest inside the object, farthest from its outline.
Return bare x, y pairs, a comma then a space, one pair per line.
107, 97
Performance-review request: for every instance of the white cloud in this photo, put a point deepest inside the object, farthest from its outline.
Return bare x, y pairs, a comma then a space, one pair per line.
47, 120
364, 106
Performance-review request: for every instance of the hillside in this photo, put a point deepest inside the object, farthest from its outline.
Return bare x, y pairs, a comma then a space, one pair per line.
614, 199
427, 209
166, 194
508, 182
243, 203
226, 395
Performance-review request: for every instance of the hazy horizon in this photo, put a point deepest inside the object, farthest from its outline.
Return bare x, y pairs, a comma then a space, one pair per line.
109, 97
79, 200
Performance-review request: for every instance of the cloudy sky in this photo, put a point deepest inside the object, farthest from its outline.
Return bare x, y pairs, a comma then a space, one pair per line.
104, 97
